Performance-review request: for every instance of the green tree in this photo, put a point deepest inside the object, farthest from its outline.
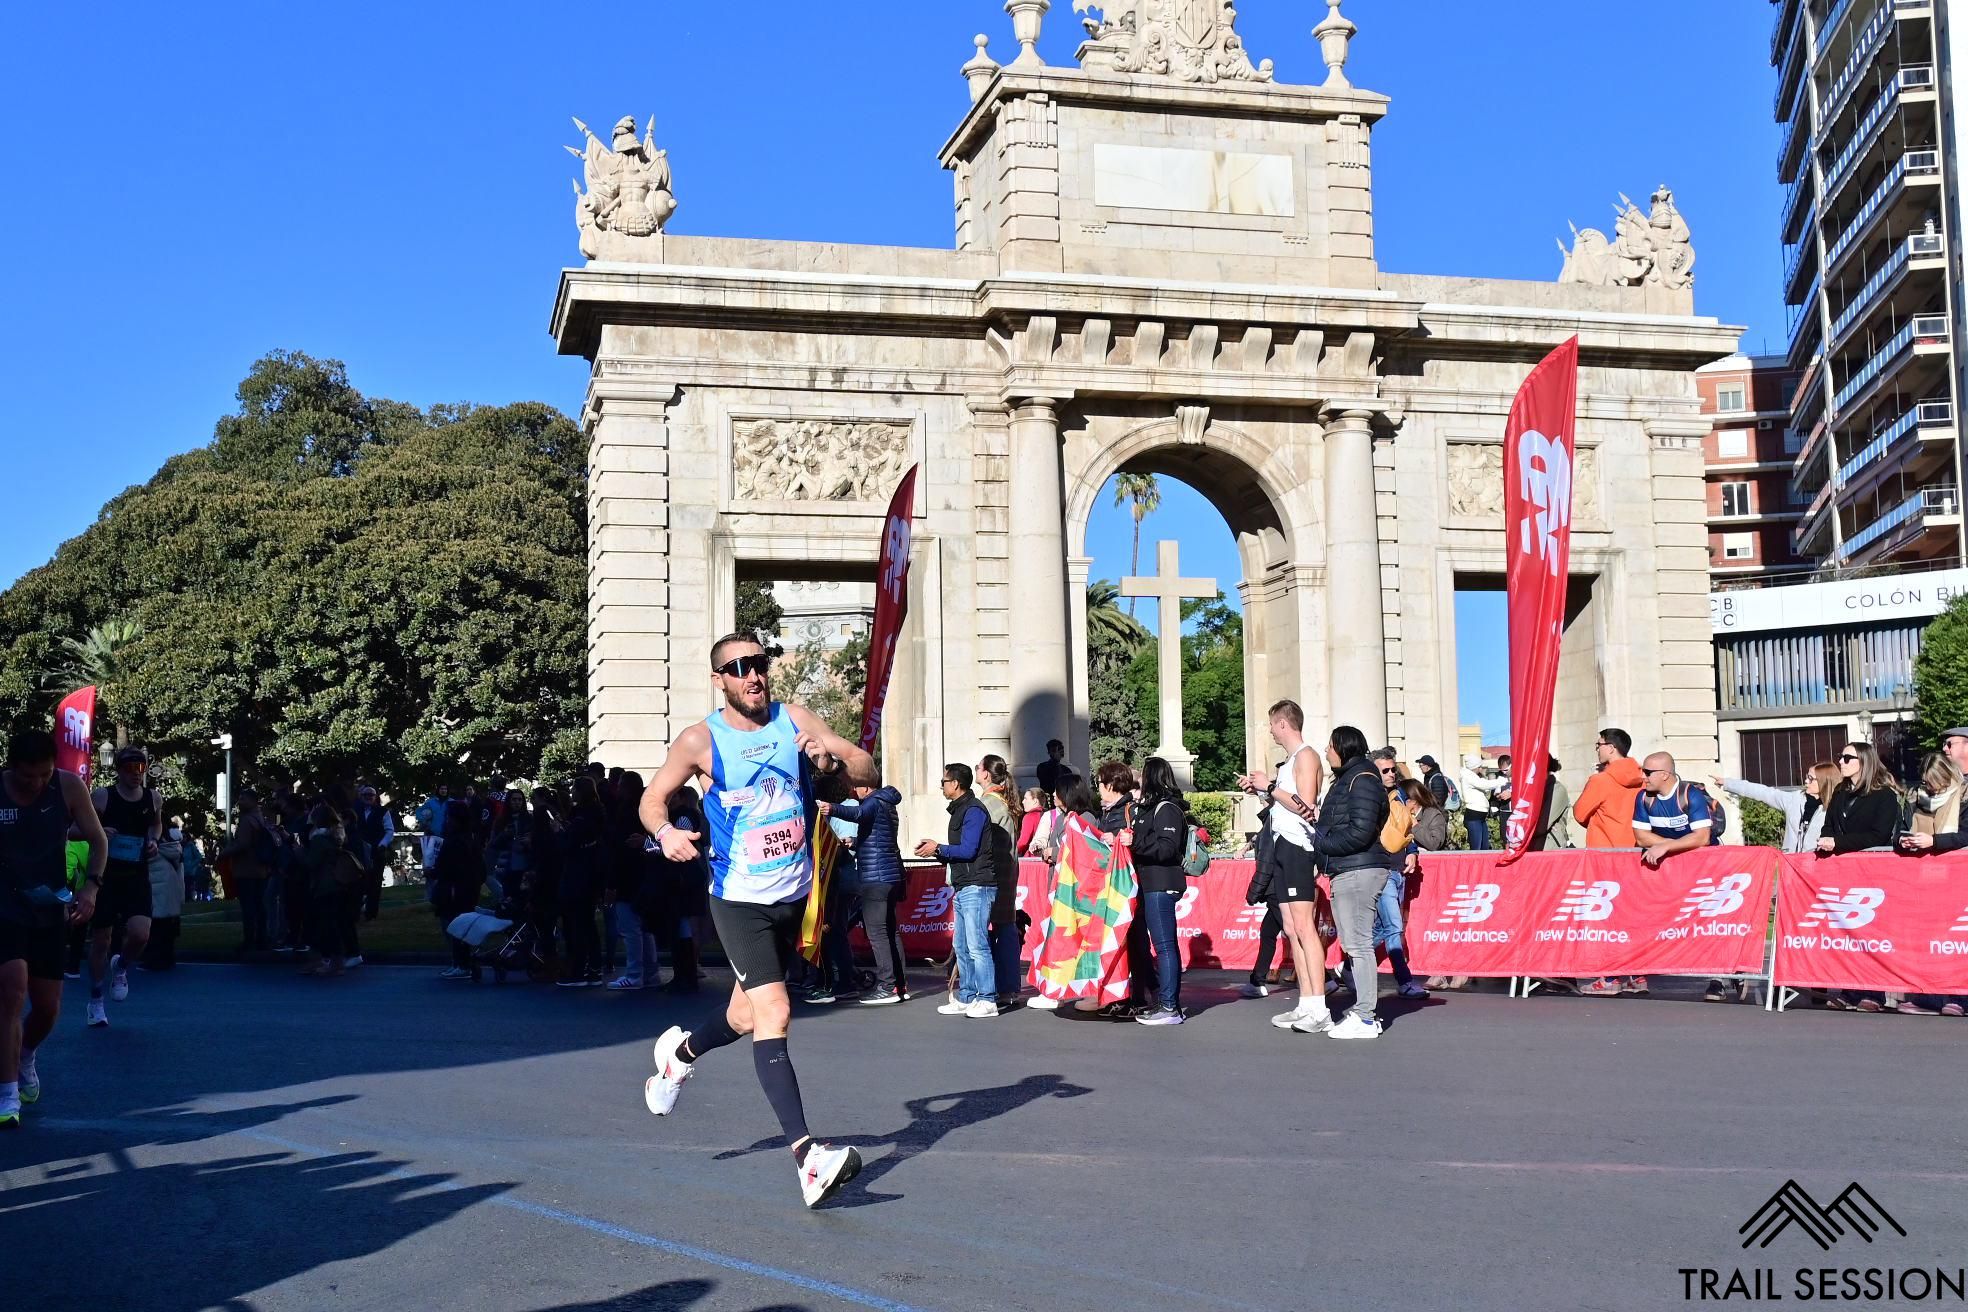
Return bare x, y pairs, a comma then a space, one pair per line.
1213, 691
758, 610
346, 585
101, 658
1940, 672
1142, 495
1114, 642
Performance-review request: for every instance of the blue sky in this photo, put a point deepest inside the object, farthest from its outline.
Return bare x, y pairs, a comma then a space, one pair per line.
198, 184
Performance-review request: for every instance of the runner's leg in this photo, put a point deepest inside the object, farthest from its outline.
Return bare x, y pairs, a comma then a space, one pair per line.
13, 998
98, 960
44, 1008
136, 933
1308, 953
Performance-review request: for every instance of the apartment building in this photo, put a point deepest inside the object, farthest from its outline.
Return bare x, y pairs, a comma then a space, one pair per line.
1871, 228
1752, 510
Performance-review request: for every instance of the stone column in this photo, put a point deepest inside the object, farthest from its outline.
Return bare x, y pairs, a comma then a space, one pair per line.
1356, 642
1079, 741
1041, 679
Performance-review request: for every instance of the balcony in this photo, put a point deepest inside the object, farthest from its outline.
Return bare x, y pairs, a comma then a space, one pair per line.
1865, 48
1804, 539
1800, 206
1790, 72
1927, 428
1924, 247
1805, 334
1787, 19
1923, 166
1922, 331
1928, 510
1801, 260
1910, 80
1828, 30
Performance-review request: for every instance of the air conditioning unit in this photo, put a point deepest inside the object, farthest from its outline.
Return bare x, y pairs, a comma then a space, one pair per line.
1763, 424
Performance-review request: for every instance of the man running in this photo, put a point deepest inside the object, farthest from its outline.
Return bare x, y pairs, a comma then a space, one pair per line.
134, 820
761, 861
37, 805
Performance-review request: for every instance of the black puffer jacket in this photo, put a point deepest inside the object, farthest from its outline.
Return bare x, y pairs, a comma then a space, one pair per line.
1161, 832
1350, 818
1860, 820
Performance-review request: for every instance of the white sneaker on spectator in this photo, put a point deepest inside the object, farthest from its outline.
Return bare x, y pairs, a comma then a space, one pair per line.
1314, 1022
982, 1009
953, 1007
119, 979
1043, 1003
350, 963
1354, 1028
659, 1092
1284, 1020
624, 983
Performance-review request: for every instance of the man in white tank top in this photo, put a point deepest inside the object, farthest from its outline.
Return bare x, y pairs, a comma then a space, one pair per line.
755, 758
1294, 883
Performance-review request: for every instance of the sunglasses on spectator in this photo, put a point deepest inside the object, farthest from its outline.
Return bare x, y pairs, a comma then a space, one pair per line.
1848, 756
758, 663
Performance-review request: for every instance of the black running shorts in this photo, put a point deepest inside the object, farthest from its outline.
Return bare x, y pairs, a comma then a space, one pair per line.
1294, 878
42, 948
125, 893
759, 941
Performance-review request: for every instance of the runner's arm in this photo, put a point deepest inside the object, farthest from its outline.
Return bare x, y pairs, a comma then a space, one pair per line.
689, 757
83, 816
859, 765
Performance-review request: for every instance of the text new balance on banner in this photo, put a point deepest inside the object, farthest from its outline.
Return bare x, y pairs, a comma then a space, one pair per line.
1874, 920
75, 733
1583, 913
1537, 527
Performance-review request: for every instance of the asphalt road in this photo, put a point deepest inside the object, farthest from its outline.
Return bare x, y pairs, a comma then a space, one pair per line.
246, 1139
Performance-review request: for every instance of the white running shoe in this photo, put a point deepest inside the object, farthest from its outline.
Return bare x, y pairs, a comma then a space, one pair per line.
30, 1079
1043, 1003
350, 963
1355, 1028
1284, 1020
982, 1009
119, 979
953, 1007
1250, 990
659, 1092
1314, 1022
10, 1105
826, 1169
98, 1014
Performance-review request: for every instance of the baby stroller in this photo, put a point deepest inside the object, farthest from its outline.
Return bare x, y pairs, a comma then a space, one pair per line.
499, 943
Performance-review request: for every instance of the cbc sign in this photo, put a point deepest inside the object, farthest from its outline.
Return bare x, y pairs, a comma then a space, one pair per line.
1820, 605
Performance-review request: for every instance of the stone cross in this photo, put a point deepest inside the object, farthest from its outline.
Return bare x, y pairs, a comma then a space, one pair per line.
1170, 589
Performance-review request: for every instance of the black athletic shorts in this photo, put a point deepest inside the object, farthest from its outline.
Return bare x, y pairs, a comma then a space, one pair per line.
759, 941
125, 893
42, 948
1294, 878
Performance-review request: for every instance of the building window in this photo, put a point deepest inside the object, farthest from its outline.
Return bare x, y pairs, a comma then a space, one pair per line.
1779, 757
1731, 396
1738, 546
1732, 444
1735, 499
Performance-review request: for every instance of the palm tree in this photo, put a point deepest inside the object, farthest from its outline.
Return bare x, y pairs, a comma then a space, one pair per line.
1142, 493
100, 657
1106, 620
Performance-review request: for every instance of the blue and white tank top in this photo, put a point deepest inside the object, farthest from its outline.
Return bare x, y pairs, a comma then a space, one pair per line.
758, 812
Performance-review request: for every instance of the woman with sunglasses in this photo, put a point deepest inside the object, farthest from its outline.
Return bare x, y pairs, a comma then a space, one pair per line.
1803, 811
1864, 812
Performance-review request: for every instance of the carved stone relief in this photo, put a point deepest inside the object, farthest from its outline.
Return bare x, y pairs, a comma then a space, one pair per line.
818, 459
1476, 484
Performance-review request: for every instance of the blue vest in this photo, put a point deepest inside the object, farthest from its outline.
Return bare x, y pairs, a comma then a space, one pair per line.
759, 812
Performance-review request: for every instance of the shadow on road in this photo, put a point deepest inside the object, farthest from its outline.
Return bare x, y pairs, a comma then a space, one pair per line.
931, 1119
670, 1296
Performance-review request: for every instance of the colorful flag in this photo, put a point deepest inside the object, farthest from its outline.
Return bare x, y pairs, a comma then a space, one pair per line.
75, 733
1082, 950
1537, 526
891, 608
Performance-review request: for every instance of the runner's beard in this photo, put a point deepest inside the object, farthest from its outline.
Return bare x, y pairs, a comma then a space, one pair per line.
748, 703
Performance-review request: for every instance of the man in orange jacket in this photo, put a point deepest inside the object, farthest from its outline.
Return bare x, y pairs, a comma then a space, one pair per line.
1605, 804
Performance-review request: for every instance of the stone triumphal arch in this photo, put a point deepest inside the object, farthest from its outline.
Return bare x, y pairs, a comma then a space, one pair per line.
1164, 261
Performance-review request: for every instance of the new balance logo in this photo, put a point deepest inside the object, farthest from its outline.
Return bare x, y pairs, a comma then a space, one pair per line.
1854, 908
1587, 901
935, 903
75, 728
1711, 898
1470, 904
1960, 926
1853, 1214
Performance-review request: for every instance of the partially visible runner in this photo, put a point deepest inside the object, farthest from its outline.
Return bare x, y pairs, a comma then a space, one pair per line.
38, 804
133, 819
757, 757
1294, 881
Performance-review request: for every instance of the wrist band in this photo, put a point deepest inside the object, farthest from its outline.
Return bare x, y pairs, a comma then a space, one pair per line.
664, 829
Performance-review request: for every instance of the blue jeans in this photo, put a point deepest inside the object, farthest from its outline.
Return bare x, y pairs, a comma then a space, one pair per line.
1479, 830
1006, 942
1387, 914
1159, 911
976, 977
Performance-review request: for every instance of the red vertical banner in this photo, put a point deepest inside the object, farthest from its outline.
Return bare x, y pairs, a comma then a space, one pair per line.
1538, 449
891, 605
75, 733
891, 608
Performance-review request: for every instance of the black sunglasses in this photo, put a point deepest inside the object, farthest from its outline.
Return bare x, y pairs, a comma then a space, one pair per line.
757, 663
1847, 756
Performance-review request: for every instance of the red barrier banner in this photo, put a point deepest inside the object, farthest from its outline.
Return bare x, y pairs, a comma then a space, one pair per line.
1874, 920
1579, 914
75, 733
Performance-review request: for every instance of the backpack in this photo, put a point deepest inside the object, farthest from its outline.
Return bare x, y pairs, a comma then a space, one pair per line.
1195, 857
1718, 818
1398, 829
1453, 802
